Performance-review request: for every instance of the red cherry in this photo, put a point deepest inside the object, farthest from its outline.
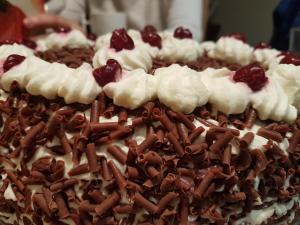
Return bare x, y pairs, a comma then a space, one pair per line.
29, 43
238, 36
182, 33
290, 59
62, 29
108, 73
12, 61
152, 38
150, 29
262, 45
253, 75
92, 36
121, 40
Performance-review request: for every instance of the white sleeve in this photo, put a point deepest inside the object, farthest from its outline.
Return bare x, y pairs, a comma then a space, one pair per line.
74, 10
188, 13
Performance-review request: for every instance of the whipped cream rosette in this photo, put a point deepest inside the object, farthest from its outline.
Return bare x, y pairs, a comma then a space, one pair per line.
265, 56
9, 49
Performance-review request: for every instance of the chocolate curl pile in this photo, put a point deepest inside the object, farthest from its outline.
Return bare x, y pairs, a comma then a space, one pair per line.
178, 170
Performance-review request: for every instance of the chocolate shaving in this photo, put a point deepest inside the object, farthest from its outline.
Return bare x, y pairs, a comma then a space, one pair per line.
145, 203
221, 142
120, 179
79, 169
269, 134
117, 153
150, 139
184, 119
294, 141
63, 211
246, 140
95, 113
108, 203
176, 145
195, 134
32, 134
123, 116
92, 157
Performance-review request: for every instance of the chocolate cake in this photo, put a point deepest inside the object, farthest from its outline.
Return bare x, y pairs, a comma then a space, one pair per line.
154, 128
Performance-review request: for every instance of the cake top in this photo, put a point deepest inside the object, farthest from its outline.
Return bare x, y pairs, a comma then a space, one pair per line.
263, 73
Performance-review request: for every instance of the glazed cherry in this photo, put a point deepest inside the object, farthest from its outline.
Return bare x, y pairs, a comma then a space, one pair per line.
151, 37
111, 72
253, 75
150, 29
182, 33
11, 61
238, 36
62, 29
121, 40
91, 36
29, 43
262, 45
290, 59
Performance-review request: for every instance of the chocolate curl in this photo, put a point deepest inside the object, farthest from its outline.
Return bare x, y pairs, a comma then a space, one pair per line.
78, 170
138, 121
196, 148
183, 133
110, 111
96, 196
235, 197
226, 160
217, 129
134, 186
144, 203
221, 141
108, 203
83, 137
282, 129
150, 157
64, 141
63, 211
48, 195
184, 119
92, 157
63, 185
105, 171
294, 141
246, 140
176, 145
120, 179
195, 134
160, 138
54, 122
76, 122
101, 127
165, 200
14, 179
168, 182
132, 172
243, 160
120, 132
184, 211
148, 107
260, 160
150, 139
40, 201
95, 113
101, 102
251, 118
165, 121
123, 209
204, 184
85, 206
269, 134
31, 135
123, 116
117, 153
152, 171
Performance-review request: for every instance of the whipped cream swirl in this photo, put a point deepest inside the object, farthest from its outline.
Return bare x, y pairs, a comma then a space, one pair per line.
288, 76
51, 80
265, 56
6, 50
272, 103
179, 50
180, 88
72, 39
232, 50
136, 58
226, 96
134, 89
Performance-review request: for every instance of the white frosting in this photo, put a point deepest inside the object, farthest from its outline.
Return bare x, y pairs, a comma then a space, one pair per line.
232, 50
6, 50
180, 88
226, 96
288, 76
136, 58
135, 88
272, 103
80, 86
102, 41
72, 39
179, 50
265, 56
207, 46
50, 80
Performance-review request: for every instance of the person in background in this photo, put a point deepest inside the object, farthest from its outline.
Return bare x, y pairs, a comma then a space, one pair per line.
285, 17
102, 16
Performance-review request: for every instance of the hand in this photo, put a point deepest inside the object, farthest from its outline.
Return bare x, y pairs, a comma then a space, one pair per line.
43, 21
